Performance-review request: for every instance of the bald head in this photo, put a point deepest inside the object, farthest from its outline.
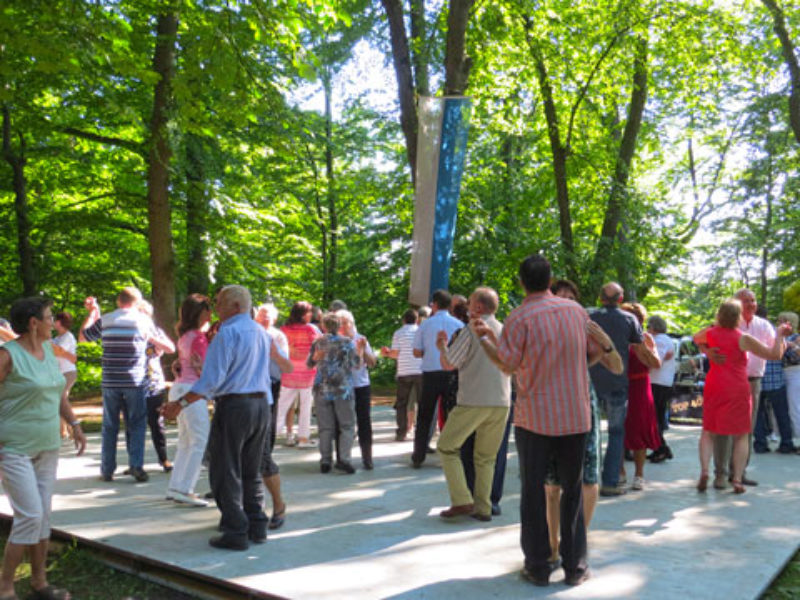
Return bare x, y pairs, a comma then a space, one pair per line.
611, 293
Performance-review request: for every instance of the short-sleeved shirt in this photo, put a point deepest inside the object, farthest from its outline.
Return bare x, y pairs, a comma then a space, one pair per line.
624, 329
480, 382
361, 373
545, 340
282, 344
193, 342
334, 378
237, 361
155, 373
425, 337
66, 341
300, 337
124, 335
403, 342
665, 375
30, 397
762, 330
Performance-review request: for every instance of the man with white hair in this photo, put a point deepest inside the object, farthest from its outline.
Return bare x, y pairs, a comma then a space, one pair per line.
234, 375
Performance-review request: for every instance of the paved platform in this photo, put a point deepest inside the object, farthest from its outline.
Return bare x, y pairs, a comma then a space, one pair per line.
376, 534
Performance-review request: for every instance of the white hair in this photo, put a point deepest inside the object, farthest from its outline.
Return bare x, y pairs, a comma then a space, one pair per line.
240, 295
272, 312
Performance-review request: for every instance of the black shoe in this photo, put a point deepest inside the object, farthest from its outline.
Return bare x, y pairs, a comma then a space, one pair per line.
367, 462
258, 537
325, 467
139, 475
416, 464
224, 543
748, 481
277, 520
208, 495
540, 580
344, 467
577, 577
789, 450
127, 471
496, 510
430, 450
104, 477
167, 466
761, 449
399, 438
668, 452
657, 457
628, 455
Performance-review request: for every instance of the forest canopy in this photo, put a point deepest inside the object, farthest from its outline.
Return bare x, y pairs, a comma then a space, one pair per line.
179, 146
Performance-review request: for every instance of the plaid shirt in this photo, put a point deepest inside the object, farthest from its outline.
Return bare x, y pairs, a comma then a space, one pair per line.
773, 376
545, 340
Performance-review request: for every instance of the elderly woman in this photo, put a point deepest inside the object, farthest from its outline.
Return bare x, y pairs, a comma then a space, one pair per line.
361, 387
791, 369
334, 357
727, 405
30, 404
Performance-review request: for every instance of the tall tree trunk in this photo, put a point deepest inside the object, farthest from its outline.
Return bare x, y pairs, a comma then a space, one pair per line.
790, 57
456, 62
618, 197
197, 271
328, 291
17, 162
419, 47
559, 161
162, 256
767, 239
405, 81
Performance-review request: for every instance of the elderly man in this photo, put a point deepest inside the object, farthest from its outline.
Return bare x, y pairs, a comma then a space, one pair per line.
436, 382
484, 394
545, 341
234, 374
124, 334
612, 389
764, 332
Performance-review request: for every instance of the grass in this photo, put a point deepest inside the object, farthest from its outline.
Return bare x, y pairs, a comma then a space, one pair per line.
87, 578
787, 585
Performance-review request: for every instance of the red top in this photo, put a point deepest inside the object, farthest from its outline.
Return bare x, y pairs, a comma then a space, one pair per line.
545, 338
300, 337
726, 396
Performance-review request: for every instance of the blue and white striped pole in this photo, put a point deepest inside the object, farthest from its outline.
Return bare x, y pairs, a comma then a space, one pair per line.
441, 150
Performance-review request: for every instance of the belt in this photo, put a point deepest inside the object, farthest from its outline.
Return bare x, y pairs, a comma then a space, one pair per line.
251, 396
755, 378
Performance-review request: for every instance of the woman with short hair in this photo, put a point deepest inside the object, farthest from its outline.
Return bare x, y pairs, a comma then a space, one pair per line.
727, 405
31, 401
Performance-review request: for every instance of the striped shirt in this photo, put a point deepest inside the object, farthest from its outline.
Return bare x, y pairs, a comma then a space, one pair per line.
545, 340
124, 334
403, 342
300, 337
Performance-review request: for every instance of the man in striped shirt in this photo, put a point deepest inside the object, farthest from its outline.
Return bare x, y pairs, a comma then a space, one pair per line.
409, 370
125, 334
545, 342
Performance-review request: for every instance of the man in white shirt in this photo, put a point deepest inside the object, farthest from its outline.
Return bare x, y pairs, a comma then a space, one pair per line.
436, 382
409, 370
661, 381
762, 330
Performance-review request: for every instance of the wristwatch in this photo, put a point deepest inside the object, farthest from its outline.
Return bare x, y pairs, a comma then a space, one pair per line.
75, 423
183, 402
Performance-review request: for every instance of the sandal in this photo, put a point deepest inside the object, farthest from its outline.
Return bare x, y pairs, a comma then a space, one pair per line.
277, 519
738, 488
702, 483
50, 592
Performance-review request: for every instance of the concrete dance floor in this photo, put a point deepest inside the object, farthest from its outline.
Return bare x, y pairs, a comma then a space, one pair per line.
378, 535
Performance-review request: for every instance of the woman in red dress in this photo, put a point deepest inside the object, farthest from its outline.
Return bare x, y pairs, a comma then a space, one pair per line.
641, 426
726, 395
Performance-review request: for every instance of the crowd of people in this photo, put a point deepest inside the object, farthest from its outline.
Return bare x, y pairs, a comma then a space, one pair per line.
549, 371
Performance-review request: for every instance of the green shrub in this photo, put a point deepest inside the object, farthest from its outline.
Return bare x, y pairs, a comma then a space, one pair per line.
89, 369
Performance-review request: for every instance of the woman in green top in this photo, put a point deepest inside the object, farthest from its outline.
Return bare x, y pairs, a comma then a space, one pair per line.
30, 404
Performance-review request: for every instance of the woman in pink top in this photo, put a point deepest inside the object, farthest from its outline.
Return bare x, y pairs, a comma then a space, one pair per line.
726, 394
296, 386
193, 424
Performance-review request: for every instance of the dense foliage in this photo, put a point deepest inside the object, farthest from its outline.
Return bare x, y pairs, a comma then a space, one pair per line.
645, 141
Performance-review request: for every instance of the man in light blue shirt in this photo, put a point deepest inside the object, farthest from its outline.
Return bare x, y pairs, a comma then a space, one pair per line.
236, 375
435, 381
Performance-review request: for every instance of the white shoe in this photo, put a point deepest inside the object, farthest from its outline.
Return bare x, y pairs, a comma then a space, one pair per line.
190, 499
290, 441
638, 484
307, 444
